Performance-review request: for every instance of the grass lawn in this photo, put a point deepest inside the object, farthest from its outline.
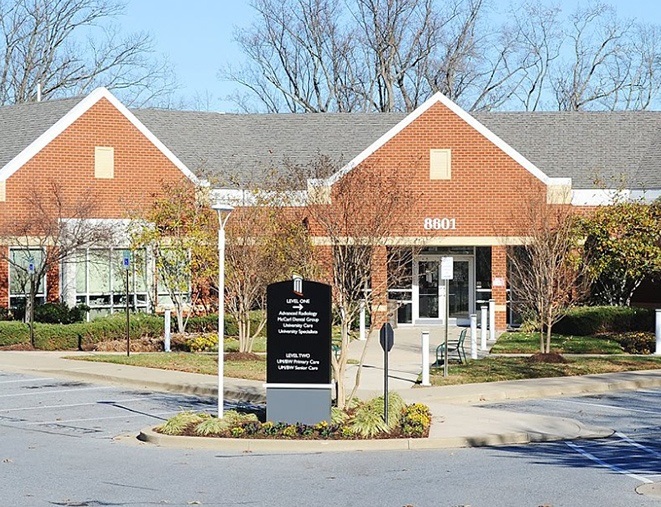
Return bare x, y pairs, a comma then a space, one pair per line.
493, 369
188, 362
528, 343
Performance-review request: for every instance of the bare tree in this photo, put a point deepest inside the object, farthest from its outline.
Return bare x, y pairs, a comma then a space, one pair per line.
265, 244
68, 47
390, 55
537, 36
549, 274
352, 220
300, 57
55, 226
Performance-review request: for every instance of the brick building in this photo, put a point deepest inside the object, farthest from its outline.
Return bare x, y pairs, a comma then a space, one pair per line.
471, 174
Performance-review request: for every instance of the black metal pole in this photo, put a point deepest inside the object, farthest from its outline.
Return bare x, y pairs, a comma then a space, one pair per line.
128, 326
385, 385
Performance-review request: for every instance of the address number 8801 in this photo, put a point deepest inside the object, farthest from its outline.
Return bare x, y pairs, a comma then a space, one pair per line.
440, 224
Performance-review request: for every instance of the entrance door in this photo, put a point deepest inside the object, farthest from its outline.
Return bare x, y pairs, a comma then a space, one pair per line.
429, 296
431, 291
461, 304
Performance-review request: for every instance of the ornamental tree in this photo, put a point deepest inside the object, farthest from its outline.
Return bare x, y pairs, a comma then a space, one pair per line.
549, 274
178, 230
624, 241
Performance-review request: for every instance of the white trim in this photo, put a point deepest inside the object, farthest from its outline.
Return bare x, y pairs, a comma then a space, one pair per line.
420, 241
470, 120
239, 198
76, 112
606, 197
299, 386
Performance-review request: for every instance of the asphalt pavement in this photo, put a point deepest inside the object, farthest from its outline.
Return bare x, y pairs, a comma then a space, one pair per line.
458, 418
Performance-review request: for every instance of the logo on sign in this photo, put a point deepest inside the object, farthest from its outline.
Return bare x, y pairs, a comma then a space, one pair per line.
298, 285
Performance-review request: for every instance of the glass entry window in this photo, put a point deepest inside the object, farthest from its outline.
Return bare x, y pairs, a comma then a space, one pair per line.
429, 296
431, 290
458, 287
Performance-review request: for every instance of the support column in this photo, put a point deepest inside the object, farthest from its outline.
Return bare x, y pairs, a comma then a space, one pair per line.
380, 287
499, 284
53, 284
68, 288
4, 278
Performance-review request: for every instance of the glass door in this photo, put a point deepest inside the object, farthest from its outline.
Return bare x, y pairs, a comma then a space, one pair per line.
460, 306
428, 289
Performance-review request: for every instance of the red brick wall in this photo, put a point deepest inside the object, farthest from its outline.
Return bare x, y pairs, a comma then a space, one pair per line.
486, 194
140, 169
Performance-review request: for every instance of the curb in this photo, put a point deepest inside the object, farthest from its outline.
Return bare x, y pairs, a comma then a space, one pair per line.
245, 445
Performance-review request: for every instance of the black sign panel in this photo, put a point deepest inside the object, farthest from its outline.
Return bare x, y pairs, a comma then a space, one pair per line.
387, 337
298, 330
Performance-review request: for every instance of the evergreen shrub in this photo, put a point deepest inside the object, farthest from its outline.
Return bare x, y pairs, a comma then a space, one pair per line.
592, 320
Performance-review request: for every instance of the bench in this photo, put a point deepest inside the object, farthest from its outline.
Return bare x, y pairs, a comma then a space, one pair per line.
455, 347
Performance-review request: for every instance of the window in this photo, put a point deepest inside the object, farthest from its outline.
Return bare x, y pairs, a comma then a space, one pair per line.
174, 275
104, 162
400, 282
101, 281
19, 276
440, 164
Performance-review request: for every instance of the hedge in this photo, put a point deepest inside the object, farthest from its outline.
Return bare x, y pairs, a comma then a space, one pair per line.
591, 320
113, 327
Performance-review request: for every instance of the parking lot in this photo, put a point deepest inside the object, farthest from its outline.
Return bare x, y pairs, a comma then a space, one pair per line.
635, 448
77, 408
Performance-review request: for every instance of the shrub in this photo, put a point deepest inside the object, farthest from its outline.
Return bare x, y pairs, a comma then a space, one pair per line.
591, 320
362, 420
636, 342
59, 313
71, 336
416, 419
209, 323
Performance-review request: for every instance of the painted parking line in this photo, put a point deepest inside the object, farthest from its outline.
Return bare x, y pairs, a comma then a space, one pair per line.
156, 415
635, 444
25, 380
611, 407
69, 405
78, 389
607, 465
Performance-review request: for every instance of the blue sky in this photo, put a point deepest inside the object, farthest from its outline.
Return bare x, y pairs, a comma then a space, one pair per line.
196, 35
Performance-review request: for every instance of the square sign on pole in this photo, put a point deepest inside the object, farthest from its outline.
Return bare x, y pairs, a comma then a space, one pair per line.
126, 259
447, 268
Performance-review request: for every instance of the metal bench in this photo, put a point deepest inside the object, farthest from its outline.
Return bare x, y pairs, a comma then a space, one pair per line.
455, 347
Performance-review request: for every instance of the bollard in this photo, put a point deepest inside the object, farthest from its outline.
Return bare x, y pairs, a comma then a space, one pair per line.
166, 345
492, 320
425, 359
658, 333
362, 336
473, 318
483, 328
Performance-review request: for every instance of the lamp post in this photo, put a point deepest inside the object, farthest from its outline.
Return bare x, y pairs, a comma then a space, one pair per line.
223, 211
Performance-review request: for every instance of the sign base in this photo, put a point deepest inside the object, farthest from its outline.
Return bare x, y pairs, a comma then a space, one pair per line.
291, 405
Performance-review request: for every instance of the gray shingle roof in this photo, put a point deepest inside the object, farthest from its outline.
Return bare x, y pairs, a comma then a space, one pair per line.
214, 144
593, 148
21, 124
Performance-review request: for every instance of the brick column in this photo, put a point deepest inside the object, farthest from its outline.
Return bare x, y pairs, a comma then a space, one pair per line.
324, 257
53, 284
499, 284
379, 286
4, 278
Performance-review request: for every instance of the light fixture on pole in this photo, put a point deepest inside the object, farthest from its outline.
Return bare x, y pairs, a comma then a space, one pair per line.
223, 211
